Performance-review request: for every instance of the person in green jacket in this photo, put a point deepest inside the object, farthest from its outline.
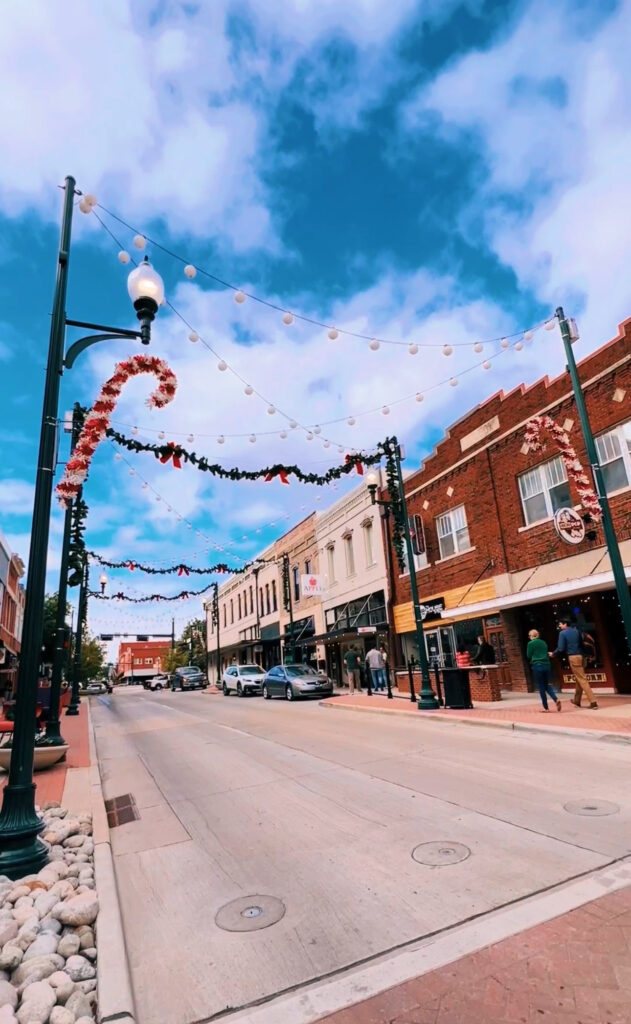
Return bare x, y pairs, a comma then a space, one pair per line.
537, 654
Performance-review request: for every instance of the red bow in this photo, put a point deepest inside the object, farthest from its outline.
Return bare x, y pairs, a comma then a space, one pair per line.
182, 571
282, 473
131, 566
172, 453
359, 469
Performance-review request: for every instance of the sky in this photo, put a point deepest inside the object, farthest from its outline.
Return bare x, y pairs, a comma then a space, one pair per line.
429, 173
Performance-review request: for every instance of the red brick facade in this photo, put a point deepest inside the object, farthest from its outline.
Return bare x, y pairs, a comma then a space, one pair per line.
140, 659
477, 465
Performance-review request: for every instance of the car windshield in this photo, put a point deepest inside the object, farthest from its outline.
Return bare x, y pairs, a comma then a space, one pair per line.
189, 670
299, 670
250, 670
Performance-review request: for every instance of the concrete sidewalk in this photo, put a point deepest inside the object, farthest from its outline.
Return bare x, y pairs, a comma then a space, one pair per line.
612, 719
52, 782
574, 969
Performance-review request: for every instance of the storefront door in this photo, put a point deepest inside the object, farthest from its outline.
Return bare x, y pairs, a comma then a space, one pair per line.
440, 647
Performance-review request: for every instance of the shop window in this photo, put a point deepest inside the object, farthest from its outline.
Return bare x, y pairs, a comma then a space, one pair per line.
543, 490
274, 597
349, 554
453, 532
148, 661
239, 605
295, 573
614, 455
330, 560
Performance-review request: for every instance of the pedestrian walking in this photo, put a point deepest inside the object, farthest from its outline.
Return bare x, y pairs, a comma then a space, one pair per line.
352, 662
463, 658
376, 666
537, 654
570, 643
386, 664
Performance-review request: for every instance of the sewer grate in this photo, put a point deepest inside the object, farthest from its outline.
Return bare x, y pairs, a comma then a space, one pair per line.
250, 913
440, 855
591, 808
121, 810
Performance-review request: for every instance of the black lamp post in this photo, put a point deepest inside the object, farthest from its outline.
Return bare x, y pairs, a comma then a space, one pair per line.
427, 699
21, 850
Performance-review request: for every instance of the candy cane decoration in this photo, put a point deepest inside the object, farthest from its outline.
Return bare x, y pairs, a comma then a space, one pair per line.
575, 471
98, 419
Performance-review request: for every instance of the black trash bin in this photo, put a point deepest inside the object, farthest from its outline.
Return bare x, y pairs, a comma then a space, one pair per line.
456, 689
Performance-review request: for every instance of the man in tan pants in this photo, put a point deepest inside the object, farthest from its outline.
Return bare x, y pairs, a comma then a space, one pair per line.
569, 643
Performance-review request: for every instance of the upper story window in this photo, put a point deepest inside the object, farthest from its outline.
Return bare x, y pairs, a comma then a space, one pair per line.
268, 607
453, 532
349, 554
369, 552
239, 605
274, 597
231, 611
614, 455
330, 560
295, 574
308, 567
543, 490
251, 601
224, 616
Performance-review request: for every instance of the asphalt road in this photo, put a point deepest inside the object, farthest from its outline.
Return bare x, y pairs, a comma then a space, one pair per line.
322, 810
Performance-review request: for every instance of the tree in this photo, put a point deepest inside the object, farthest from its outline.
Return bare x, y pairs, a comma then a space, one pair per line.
92, 660
190, 649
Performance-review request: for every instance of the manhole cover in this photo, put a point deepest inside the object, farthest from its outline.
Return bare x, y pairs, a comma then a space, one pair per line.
249, 913
439, 855
591, 808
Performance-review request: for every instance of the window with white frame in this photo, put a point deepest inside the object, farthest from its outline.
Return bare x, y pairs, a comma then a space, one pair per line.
330, 561
543, 490
453, 532
614, 455
369, 552
349, 554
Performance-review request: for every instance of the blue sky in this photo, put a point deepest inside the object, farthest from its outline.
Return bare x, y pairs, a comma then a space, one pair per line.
426, 172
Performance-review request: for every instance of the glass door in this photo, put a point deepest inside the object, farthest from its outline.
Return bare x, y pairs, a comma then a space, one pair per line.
440, 647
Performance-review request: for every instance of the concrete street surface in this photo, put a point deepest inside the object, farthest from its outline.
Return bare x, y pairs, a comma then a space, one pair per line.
330, 814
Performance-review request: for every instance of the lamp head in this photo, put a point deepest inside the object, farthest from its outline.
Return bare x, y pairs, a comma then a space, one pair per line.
146, 291
103, 582
372, 483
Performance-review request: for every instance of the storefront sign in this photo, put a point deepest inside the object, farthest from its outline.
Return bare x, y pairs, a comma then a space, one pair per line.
311, 585
433, 609
366, 629
569, 525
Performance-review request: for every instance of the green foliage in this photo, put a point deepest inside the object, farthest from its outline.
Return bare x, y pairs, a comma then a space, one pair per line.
190, 649
49, 631
92, 660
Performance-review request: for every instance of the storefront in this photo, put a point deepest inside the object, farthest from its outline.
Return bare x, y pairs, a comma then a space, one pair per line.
270, 645
304, 644
361, 624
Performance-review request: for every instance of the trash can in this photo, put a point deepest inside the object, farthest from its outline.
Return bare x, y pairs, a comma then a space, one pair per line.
456, 689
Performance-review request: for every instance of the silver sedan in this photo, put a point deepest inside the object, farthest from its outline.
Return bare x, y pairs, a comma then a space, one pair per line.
292, 681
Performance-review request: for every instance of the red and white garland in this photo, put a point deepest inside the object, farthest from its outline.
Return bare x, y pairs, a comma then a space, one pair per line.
575, 471
98, 418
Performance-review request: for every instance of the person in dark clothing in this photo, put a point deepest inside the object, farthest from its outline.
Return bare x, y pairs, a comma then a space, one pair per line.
570, 643
484, 653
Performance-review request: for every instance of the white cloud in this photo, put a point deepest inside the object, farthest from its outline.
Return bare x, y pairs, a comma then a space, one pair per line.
549, 104
16, 497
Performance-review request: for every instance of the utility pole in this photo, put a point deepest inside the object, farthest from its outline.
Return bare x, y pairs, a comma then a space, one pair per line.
289, 607
569, 334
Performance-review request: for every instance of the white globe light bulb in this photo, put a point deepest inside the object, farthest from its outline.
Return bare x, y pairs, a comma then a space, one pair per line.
453, 382
293, 424
351, 421
190, 270
505, 343
385, 410
252, 439
341, 450
190, 439
327, 444
317, 430
283, 435
486, 365
478, 347
91, 200
420, 397
551, 324
527, 335
288, 318
134, 430
447, 350
239, 297
161, 435
271, 409
374, 345
222, 365
193, 336
118, 456
413, 349
248, 389
221, 439
140, 241
123, 256
309, 436
333, 333
84, 205
518, 346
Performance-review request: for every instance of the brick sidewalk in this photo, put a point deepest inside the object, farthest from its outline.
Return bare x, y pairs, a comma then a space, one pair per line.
50, 783
575, 969
612, 716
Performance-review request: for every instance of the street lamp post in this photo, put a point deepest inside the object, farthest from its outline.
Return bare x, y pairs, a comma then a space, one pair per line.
21, 850
289, 607
617, 566
102, 582
427, 699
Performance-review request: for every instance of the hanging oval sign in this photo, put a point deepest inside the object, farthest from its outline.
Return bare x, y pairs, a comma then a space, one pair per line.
569, 525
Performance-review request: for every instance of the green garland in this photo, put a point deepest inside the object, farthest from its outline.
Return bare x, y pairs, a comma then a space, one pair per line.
77, 554
388, 448
181, 569
150, 597
165, 452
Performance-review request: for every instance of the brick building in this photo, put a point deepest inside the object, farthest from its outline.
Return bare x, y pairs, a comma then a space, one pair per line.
141, 659
12, 597
494, 564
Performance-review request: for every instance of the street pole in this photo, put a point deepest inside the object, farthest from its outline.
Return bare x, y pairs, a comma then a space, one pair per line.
53, 731
427, 699
611, 541
289, 606
75, 700
216, 618
21, 850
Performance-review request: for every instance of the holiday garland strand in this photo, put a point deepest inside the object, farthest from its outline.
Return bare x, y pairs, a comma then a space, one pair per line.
120, 596
77, 553
181, 569
392, 483
175, 452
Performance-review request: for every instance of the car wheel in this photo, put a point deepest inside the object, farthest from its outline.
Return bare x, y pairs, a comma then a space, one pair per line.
289, 693
225, 690
266, 694
159, 686
239, 690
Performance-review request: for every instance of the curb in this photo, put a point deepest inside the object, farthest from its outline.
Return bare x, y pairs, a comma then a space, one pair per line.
489, 723
116, 998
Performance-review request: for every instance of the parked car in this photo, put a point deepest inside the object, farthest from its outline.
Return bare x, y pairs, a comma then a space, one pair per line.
159, 682
291, 681
189, 677
95, 687
243, 680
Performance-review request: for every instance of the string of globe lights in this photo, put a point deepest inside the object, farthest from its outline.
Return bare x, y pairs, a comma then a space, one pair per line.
88, 205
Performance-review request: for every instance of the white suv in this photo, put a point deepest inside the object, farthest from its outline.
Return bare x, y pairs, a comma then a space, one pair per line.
243, 679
